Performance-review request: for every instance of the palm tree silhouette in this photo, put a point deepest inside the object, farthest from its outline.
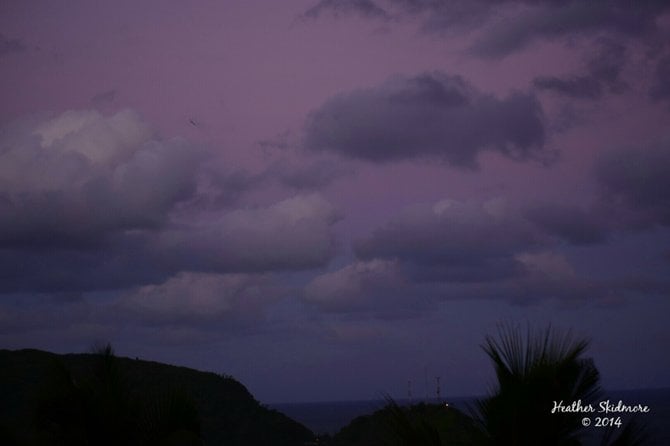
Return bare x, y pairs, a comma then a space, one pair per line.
533, 373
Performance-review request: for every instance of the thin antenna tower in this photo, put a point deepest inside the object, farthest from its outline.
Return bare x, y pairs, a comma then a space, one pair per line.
437, 379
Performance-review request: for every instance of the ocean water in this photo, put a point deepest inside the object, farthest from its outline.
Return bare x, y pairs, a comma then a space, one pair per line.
330, 417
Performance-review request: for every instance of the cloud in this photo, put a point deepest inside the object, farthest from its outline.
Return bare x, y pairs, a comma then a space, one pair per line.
90, 202
507, 27
569, 222
603, 74
205, 302
305, 175
428, 116
637, 180
436, 15
121, 262
660, 90
551, 20
294, 233
606, 63
632, 196
465, 236
188, 298
42, 314
578, 87
76, 178
337, 8
473, 250
362, 285
390, 289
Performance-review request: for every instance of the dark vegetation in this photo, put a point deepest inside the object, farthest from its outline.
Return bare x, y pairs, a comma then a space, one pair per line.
532, 371
99, 399
420, 424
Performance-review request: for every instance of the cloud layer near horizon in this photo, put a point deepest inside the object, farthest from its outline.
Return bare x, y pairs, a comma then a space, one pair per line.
492, 250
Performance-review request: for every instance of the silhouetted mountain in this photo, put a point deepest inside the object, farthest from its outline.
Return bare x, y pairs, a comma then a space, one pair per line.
227, 414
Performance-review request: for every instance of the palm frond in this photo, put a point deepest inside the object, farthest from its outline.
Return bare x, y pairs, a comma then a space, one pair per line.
533, 371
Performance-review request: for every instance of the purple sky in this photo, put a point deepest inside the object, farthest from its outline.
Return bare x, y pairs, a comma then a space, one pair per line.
326, 199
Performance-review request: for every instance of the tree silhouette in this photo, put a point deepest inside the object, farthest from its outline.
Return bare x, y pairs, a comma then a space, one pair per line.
534, 372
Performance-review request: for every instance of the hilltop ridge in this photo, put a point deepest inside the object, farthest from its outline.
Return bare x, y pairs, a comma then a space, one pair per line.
228, 413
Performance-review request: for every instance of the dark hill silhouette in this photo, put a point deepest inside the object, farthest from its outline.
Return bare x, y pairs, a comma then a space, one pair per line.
226, 412
417, 425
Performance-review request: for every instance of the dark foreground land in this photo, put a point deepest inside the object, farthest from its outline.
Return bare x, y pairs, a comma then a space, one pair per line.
99, 399
54, 399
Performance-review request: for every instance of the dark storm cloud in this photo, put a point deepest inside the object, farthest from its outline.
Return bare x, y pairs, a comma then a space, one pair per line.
429, 116
571, 223
8, 46
603, 74
637, 180
365, 8
660, 90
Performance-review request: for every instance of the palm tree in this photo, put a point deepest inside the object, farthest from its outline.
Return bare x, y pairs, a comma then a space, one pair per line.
534, 373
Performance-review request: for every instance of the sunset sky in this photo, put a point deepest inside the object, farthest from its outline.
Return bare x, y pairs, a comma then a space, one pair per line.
328, 199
